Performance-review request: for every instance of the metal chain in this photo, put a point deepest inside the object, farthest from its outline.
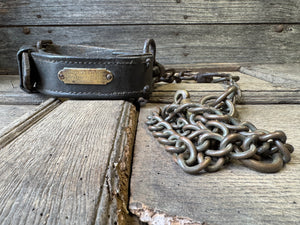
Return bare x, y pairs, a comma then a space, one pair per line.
205, 135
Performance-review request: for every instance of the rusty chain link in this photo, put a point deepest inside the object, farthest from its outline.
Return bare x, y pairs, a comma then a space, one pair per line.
205, 135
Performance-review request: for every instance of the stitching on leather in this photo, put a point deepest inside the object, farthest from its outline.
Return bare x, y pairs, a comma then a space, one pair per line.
85, 62
102, 94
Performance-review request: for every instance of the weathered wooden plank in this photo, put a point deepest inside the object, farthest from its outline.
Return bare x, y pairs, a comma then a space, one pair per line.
175, 43
204, 67
287, 75
11, 93
161, 193
66, 168
254, 91
21, 98
246, 83
10, 83
19, 125
262, 97
147, 12
113, 206
9, 113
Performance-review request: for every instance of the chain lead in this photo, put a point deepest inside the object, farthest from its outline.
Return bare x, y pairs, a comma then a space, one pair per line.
205, 136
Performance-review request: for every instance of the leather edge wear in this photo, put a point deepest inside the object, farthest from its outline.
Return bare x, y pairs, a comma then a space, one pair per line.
85, 72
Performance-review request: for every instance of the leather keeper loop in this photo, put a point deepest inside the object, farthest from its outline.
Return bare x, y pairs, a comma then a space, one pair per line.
25, 68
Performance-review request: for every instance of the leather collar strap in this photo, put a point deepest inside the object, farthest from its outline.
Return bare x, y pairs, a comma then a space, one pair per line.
84, 72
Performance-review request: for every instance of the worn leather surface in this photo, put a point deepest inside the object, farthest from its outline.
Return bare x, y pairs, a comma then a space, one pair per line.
132, 72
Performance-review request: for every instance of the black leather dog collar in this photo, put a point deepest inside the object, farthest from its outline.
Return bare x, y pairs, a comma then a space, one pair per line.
84, 72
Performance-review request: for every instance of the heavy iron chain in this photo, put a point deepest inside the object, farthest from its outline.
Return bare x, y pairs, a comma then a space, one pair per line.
206, 135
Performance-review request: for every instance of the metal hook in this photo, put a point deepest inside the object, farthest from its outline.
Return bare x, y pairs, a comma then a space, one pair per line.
150, 47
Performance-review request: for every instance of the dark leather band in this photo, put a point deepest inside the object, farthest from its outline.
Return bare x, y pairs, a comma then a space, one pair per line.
39, 67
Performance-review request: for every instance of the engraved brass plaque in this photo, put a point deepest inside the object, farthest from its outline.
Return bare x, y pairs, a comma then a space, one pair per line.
98, 76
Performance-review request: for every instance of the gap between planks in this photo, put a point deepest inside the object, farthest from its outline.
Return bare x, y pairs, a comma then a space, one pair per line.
162, 192
71, 167
175, 44
17, 127
254, 91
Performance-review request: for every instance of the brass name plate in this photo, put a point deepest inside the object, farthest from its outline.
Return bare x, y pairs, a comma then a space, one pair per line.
85, 76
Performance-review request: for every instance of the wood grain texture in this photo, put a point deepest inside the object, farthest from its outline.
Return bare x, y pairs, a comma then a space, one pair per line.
21, 98
113, 206
205, 67
11, 93
286, 75
234, 195
11, 131
9, 113
254, 91
214, 43
50, 12
56, 172
10, 83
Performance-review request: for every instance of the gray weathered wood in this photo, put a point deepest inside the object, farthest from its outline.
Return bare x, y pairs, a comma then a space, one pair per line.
8, 113
10, 83
12, 98
204, 67
261, 97
17, 106
113, 206
66, 168
175, 44
161, 193
9, 132
254, 91
287, 75
50, 12
11, 93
